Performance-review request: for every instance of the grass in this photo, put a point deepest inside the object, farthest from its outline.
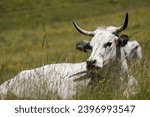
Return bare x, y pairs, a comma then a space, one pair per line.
34, 33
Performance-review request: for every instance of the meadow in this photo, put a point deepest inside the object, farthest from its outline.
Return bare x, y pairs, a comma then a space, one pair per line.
39, 32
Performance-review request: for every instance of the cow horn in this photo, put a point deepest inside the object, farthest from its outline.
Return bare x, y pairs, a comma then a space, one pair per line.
89, 33
124, 26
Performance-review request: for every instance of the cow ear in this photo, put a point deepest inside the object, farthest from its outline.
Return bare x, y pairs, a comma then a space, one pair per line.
83, 46
122, 40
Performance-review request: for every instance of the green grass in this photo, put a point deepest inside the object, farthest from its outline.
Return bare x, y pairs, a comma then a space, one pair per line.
24, 23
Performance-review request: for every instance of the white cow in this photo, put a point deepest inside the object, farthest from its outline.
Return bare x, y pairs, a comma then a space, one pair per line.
107, 47
61, 80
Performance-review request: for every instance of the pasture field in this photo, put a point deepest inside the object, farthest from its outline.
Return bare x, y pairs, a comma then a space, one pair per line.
39, 32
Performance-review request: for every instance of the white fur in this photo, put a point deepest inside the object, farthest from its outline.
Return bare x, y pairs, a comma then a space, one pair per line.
50, 80
133, 50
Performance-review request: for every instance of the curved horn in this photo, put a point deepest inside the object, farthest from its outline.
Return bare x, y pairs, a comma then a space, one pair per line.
89, 33
124, 26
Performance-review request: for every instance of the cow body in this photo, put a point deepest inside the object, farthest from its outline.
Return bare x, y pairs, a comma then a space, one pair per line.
52, 80
133, 50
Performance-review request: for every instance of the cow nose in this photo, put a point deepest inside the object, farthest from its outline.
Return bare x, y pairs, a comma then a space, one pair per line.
90, 62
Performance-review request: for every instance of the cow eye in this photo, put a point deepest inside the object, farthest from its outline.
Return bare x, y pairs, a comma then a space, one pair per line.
107, 44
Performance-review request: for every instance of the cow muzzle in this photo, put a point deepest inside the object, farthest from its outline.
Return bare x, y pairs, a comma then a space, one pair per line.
90, 63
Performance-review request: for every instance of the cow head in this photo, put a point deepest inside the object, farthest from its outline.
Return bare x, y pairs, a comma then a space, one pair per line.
104, 43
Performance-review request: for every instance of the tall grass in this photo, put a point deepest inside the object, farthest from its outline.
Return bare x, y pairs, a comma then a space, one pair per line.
24, 23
